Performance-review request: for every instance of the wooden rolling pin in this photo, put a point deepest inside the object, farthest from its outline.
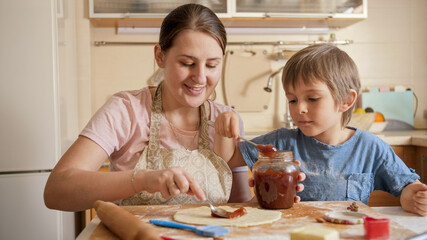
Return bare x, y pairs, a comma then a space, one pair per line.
123, 223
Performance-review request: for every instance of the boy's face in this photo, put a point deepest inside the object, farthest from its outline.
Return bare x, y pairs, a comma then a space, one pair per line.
314, 111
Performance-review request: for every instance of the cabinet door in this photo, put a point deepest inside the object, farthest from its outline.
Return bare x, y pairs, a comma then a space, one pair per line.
28, 91
421, 163
148, 8
24, 215
234, 13
300, 8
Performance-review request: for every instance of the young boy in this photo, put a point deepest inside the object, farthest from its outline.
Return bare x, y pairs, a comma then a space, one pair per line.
340, 162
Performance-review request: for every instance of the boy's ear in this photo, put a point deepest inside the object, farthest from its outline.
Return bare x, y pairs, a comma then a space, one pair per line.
159, 56
351, 99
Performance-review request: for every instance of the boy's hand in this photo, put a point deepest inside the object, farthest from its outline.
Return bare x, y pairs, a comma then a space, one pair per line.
414, 198
227, 125
300, 186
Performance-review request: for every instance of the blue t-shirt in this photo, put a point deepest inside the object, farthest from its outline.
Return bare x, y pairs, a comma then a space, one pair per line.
350, 171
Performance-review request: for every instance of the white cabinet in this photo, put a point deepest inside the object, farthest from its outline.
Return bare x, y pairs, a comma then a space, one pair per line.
30, 120
23, 215
150, 8
234, 13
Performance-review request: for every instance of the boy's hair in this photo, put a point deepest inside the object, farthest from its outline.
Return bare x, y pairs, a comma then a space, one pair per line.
327, 64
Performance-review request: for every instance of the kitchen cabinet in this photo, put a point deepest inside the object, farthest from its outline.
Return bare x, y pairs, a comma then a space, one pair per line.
234, 13
32, 111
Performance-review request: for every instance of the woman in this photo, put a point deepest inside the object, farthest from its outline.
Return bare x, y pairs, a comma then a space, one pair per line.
160, 147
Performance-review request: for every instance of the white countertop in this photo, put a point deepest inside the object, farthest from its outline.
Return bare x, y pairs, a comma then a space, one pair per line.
408, 220
414, 137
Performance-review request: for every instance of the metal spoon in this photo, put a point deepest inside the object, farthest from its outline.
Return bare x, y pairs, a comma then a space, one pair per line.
212, 124
219, 211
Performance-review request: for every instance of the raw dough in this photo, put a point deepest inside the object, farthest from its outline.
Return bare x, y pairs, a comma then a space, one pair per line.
202, 216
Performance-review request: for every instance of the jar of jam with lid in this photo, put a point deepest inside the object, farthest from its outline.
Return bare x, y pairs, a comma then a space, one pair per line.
275, 180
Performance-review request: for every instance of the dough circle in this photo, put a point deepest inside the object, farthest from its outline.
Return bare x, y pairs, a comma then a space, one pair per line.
202, 216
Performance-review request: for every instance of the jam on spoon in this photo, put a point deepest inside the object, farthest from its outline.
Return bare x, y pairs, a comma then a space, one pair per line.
231, 215
267, 150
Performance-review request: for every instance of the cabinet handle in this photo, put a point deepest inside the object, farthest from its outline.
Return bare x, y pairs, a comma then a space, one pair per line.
423, 158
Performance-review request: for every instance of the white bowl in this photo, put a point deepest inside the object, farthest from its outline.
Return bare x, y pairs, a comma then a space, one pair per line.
377, 127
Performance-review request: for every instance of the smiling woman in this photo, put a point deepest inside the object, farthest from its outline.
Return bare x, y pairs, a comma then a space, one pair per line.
157, 138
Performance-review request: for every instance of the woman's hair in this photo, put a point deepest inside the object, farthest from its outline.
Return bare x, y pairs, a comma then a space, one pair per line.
194, 17
327, 64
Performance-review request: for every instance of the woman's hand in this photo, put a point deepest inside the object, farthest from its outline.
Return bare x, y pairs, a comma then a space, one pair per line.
169, 182
300, 186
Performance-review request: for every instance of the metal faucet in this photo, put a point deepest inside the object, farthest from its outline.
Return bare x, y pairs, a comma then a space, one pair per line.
288, 119
270, 79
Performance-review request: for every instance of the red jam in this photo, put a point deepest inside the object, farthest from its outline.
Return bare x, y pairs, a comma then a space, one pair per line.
275, 180
267, 150
236, 214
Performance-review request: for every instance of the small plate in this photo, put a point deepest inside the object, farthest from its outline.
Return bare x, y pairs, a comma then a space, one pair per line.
344, 217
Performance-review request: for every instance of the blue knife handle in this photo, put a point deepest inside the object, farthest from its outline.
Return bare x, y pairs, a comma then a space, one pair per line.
171, 224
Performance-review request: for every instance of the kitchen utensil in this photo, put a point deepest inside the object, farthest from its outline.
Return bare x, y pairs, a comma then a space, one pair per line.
344, 217
123, 223
220, 212
376, 228
212, 124
208, 230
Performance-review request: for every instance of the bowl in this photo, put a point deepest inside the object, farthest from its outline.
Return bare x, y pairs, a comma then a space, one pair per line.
377, 127
362, 121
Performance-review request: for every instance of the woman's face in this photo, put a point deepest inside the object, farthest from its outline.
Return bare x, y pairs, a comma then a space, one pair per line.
192, 68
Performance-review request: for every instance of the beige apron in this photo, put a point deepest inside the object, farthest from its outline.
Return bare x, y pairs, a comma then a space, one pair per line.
209, 170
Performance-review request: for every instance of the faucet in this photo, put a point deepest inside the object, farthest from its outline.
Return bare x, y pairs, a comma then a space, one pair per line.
288, 119
270, 79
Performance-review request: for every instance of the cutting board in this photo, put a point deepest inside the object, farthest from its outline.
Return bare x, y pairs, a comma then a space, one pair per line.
301, 214
244, 77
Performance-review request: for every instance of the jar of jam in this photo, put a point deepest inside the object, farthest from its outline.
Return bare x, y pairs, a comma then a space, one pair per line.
275, 180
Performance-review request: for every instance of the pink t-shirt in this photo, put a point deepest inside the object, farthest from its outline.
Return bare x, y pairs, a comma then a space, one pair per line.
122, 128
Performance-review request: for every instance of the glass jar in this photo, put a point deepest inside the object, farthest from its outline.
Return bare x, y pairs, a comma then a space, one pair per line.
275, 180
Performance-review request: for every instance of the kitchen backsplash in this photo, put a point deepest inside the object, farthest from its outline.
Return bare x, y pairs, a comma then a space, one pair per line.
388, 48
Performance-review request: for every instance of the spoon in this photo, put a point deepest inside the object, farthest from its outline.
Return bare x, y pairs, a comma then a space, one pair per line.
219, 212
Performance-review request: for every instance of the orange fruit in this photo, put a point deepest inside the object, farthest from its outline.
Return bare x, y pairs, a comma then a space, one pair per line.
379, 117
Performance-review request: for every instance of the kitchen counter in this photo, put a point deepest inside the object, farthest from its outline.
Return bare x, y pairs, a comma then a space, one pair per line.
402, 224
414, 137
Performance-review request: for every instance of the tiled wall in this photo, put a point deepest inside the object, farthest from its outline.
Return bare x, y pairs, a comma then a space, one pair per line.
390, 48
